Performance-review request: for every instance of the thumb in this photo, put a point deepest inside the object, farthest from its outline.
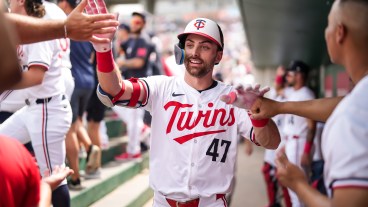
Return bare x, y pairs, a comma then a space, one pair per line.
281, 158
81, 6
229, 98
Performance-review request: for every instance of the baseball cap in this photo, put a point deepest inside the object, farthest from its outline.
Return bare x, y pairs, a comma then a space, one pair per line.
142, 15
298, 66
206, 28
124, 27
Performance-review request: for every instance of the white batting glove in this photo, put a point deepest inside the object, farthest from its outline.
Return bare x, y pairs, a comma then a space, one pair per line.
99, 7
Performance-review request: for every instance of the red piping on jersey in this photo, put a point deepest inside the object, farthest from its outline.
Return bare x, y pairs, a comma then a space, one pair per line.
188, 137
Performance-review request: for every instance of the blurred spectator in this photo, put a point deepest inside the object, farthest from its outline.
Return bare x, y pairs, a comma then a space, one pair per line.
81, 54
134, 65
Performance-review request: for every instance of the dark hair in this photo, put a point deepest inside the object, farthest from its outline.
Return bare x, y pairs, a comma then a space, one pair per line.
35, 8
72, 3
221, 38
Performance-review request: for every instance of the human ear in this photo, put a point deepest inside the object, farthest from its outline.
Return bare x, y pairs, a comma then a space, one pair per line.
218, 57
341, 32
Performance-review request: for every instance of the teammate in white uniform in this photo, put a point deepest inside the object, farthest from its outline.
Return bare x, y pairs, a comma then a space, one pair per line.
299, 131
47, 116
269, 166
194, 134
344, 139
54, 12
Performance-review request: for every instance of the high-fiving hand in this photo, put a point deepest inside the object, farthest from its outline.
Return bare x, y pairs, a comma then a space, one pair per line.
82, 27
244, 97
99, 7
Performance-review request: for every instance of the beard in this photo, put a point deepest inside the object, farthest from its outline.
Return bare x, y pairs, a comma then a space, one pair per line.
200, 70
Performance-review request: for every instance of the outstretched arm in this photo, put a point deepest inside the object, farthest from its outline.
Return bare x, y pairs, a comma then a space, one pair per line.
108, 73
317, 109
10, 72
265, 131
78, 26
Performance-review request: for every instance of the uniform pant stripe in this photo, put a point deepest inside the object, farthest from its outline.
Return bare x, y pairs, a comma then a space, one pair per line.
44, 137
224, 200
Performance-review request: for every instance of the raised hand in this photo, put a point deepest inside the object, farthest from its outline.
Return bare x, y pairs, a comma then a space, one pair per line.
287, 173
83, 27
244, 97
98, 7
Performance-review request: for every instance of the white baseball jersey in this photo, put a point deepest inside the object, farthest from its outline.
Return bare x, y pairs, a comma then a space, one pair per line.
345, 141
296, 131
194, 138
44, 121
12, 100
297, 125
54, 12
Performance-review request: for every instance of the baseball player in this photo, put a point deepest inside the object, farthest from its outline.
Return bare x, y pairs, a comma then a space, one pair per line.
194, 134
344, 138
299, 131
134, 62
47, 116
269, 166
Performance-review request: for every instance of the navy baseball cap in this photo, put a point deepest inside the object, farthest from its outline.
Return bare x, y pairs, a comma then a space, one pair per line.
142, 15
298, 66
124, 27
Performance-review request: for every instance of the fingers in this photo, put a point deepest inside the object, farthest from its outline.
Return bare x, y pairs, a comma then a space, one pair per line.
102, 6
56, 169
103, 17
68, 171
229, 98
281, 159
93, 6
81, 6
256, 87
264, 90
46, 173
103, 27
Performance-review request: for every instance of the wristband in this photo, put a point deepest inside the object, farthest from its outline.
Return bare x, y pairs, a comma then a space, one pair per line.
258, 123
308, 147
105, 61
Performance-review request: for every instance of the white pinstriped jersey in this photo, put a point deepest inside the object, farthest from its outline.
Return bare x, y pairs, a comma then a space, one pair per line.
297, 125
54, 12
194, 138
13, 100
45, 54
345, 141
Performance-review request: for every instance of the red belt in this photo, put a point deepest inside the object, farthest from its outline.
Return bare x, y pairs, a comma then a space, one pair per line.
190, 203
